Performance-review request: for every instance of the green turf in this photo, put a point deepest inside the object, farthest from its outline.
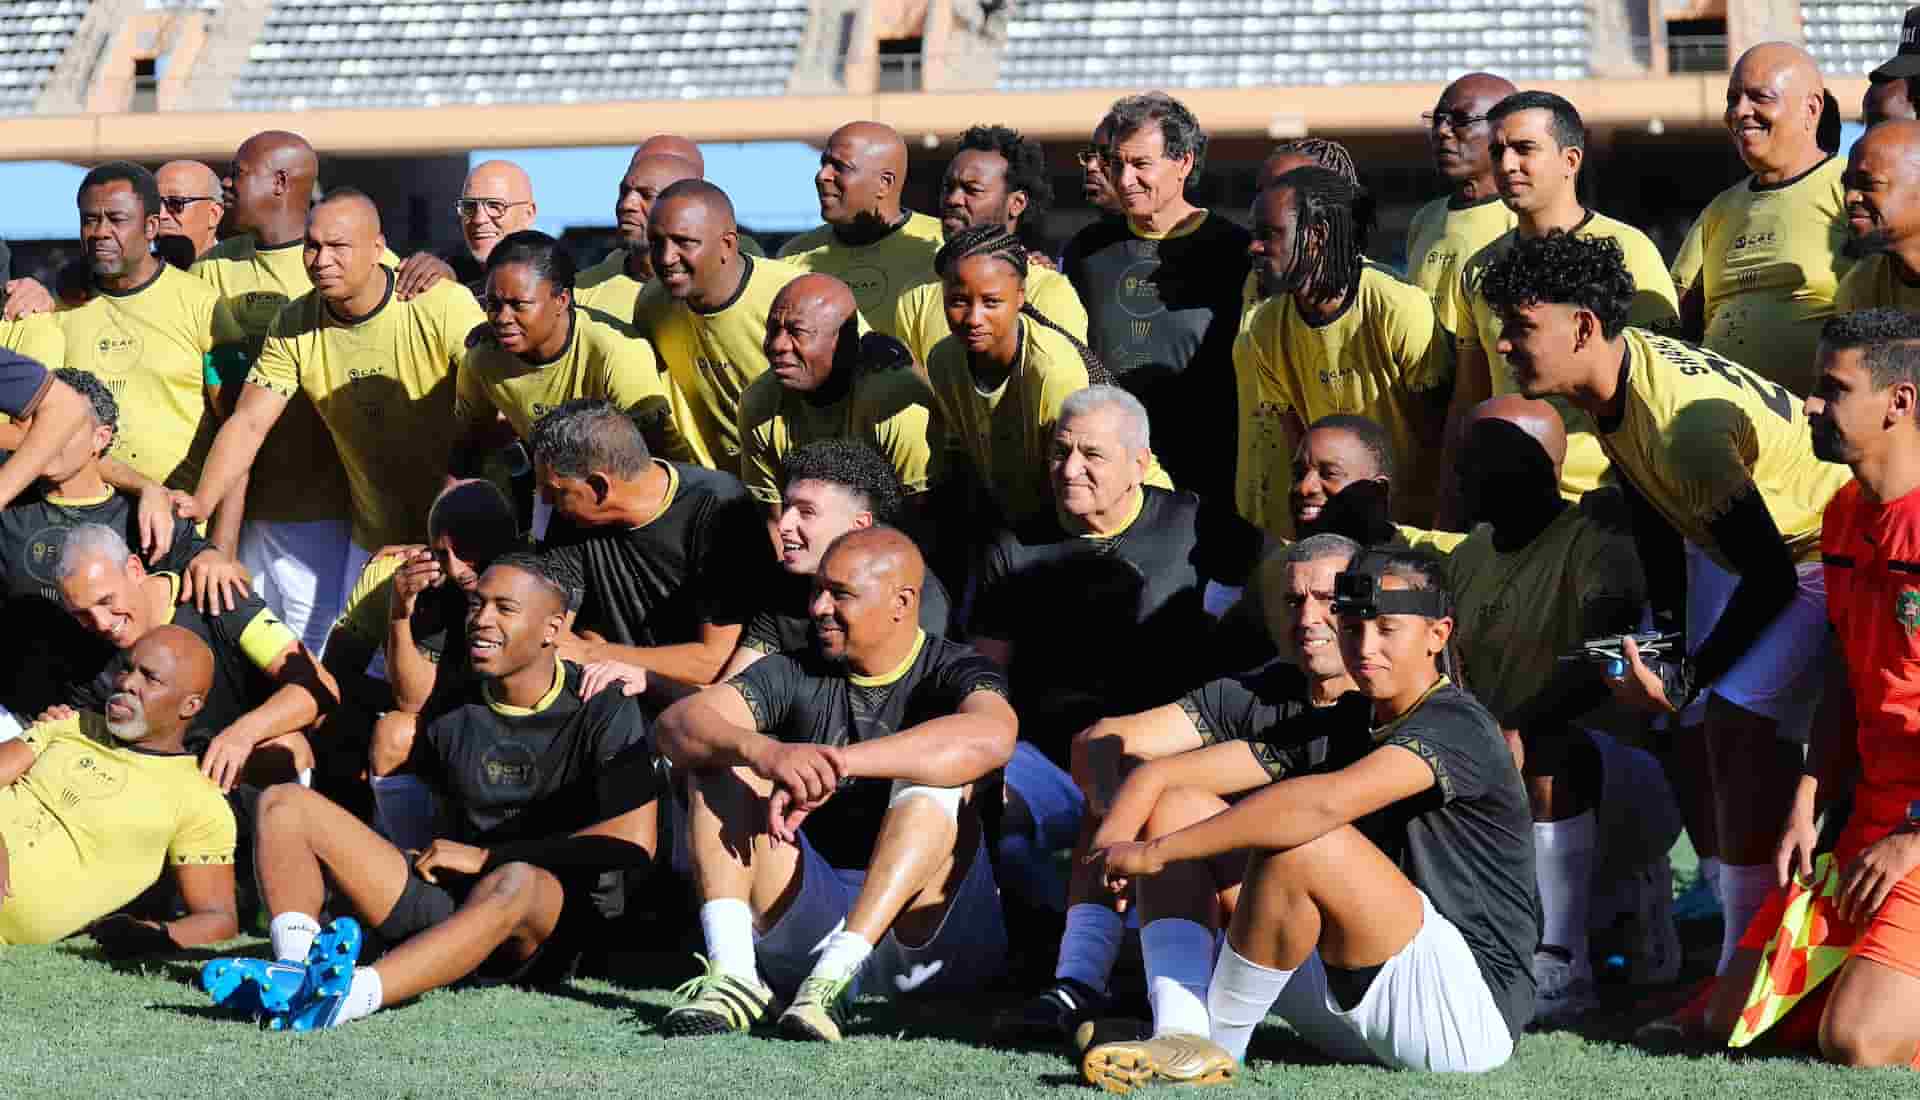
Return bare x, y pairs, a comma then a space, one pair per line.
72, 1025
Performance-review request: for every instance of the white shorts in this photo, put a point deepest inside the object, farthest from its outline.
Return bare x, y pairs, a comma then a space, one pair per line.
1427, 1009
968, 950
1781, 674
296, 570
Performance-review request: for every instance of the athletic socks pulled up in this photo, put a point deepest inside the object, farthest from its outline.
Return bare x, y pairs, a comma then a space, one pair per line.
727, 924
1743, 890
1239, 997
1090, 945
364, 997
292, 936
1179, 958
1565, 872
842, 955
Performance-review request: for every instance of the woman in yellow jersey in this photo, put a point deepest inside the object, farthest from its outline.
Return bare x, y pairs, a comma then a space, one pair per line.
1770, 246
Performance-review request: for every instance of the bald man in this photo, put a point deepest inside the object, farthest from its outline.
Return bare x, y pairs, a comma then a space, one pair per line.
1772, 245
673, 145
613, 285
764, 751
1447, 231
495, 200
706, 313
869, 241
92, 803
379, 370
826, 381
294, 538
191, 203
1883, 220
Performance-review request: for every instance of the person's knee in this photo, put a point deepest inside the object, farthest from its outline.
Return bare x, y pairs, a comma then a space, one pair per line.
933, 811
1178, 808
511, 886
392, 742
1861, 1044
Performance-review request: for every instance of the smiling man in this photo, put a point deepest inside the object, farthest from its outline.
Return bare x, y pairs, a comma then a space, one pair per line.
1883, 219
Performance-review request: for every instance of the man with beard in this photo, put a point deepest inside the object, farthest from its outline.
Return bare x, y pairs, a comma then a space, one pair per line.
1883, 220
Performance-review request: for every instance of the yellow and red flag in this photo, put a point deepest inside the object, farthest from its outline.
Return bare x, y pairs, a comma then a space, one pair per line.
1808, 948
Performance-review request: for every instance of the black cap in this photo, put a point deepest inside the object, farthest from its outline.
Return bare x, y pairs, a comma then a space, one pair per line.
1905, 63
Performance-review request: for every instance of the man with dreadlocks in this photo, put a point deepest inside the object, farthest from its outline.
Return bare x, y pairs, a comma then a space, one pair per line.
1000, 377
1388, 899
1339, 335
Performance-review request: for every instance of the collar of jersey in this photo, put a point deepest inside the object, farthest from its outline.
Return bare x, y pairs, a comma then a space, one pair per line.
1763, 188
103, 291
260, 246
1381, 732
1474, 205
573, 333
511, 711
666, 501
371, 314
1184, 229
80, 502
1611, 424
746, 276
1139, 505
882, 680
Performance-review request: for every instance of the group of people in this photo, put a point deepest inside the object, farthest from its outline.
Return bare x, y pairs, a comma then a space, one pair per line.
462, 601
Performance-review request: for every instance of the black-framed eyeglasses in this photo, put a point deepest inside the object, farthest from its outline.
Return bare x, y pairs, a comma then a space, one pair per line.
1454, 120
494, 208
177, 204
1090, 155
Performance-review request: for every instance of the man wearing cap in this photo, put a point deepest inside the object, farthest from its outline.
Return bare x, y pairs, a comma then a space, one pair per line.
1890, 95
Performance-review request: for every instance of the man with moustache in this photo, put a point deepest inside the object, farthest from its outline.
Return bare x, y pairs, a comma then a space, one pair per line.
1883, 220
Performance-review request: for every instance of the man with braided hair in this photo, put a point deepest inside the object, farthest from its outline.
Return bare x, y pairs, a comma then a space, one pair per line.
1000, 377
996, 177
1339, 335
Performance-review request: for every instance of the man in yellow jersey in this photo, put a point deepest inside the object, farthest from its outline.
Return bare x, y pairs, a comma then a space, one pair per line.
825, 381
706, 314
869, 241
378, 369
1446, 232
294, 540
995, 177
1340, 335
1161, 286
1771, 245
1715, 459
1538, 147
496, 199
612, 285
1883, 216
191, 204
91, 804
536, 352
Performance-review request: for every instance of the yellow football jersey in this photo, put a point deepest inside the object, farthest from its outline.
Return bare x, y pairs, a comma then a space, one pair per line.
93, 822
710, 358
1006, 435
1375, 360
1515, 613
384, 388
1442, 239
606, 287
36, 337
153, 348
891, 409
297, 477
1477, 340
1697, 430
920, 317
603, 358
1876, 283
1770, 262
878, 273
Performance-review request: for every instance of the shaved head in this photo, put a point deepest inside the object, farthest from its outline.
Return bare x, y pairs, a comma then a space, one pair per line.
499, 178
866, 599
804, 329
193, 661
282, 151
1536, 418
862, 172
693, 244
1509, 465
648, 175
702, 194
191, 203
1482, 89
495, 201
822, 296
269, 185
160, 686
673, 145
879, 552
187, 177
355, 207
1461, 147
1883, 189
1775, 98
343, 249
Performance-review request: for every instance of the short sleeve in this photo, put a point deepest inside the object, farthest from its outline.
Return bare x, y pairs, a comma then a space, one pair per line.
1712, 445
472, 406
762, 633
1466, 307
1854, 291
1255, 358
634, 383
38, 337
206, 834
1442, 734
368, 605
1421, 351
1056, 297
1691, 259
903, 436
188, 543
278, 368
1221, 710
459, 315
1608, 571
627, 776
732, 551
23, 382
965, 673
769, 688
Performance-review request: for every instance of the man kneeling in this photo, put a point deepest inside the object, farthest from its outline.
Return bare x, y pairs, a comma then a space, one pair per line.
547, 794
873, 738
1388, 900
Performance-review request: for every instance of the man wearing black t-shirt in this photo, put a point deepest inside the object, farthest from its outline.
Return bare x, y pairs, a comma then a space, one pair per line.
1197, 750
545, 793
1162, 288
873, 738
670, 556
1388, 902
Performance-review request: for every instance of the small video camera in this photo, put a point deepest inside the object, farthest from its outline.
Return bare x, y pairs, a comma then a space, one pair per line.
1612, 652
1356, 594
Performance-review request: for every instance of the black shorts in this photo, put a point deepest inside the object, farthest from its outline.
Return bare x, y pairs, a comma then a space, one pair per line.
423, 905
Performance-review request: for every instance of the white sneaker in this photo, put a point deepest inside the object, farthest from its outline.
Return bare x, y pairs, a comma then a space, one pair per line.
1653, 940
1562, 992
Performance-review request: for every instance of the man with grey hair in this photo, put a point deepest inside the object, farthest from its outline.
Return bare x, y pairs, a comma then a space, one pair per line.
1162, 286
266, 686
1196, 735
1140, 569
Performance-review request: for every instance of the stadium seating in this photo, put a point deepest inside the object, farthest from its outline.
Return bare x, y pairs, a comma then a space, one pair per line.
422, 53
1849, 39
1241, 43
33, 35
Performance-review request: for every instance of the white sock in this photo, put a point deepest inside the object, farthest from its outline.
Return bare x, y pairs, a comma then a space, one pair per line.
404, 810
292, 935
1179, 957
363, 997
1090, 945
1239, 997
842, 955
1743, 890
304, 777
1564, 866
1710, 870
728, 926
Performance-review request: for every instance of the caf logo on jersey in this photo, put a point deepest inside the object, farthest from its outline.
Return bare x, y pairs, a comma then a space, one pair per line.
869, 284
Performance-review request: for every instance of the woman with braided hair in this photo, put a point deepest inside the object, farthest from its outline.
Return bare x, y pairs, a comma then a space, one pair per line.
1000, 379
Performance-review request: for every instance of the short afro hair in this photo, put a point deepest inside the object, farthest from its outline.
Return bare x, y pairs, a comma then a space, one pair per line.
1371, 435
133, 175
1026, 170
1588, 273
855, 467
1891, 338
550, 570
106, 410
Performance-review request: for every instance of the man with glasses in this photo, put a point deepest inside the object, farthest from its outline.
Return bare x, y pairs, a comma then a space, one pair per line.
1095, 187
1451, 228
495, 200
191, 207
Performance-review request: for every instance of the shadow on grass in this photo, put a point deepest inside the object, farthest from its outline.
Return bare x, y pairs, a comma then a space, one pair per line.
180, 966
